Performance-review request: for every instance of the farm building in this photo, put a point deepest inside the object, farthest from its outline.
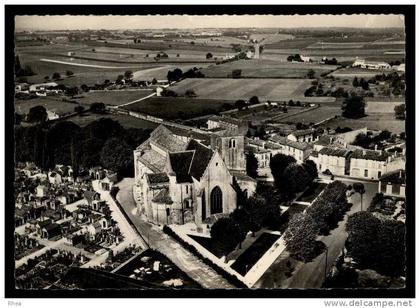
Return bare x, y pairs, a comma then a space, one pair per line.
304, 135
375, 65
41, 86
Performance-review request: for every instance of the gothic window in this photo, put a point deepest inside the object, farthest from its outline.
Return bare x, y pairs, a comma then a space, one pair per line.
216, 200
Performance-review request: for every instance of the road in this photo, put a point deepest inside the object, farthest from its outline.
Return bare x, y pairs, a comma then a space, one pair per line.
82, 64
187, 262
311, 274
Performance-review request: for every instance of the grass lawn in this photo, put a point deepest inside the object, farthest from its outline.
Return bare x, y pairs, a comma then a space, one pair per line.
263, 68
312, 192
178, 107
254, 252
125, 120
234, 89
114, 97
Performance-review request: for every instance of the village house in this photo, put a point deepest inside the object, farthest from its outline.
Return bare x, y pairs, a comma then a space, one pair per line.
41, 191
180, 179
55, 178
298, 150
50, 231
42, 86
304, 135
108, 181
225, 122
393, 184
334, 159
368, 164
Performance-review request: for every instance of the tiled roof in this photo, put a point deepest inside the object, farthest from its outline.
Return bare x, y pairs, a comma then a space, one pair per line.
163, 197
334, 152
153, 160
294, 144
157, 178
180, 163
201, 158
370, 155
226, 119
163, 138
242, 176
303, 132
395, 177
324, 140
190, 133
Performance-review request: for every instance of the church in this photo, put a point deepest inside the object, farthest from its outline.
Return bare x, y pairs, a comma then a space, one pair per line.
187, 175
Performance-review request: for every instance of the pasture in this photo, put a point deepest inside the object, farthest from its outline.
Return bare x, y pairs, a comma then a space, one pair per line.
382, 106
114, 97
125, 120
234, 89
266, 69
322, 113
171, 108
376, 121
352, 72
49, 102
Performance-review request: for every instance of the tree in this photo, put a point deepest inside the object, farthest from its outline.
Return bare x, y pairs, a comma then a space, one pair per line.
72, 91
117, 155
190, 93
400, 112
120, 79
376, 244
97, 107
355, 82
237, 73
128, 75
240, 104
69, 73
360, 189
278, 164
295, 179
79, 109
300, 237
46, 78
37, 114
310, 168
209, 55
311, 74
225, 244
251, 165
56, 76
353, 107
84, 88
254, 100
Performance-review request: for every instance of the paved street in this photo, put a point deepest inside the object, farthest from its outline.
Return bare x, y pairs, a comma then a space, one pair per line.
311, 275
156, 239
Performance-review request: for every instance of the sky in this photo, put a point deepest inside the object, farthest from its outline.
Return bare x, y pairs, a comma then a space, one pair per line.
117, 22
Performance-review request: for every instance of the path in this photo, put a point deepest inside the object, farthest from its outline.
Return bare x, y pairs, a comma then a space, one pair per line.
82, 64
137, 100
311, 274
187, 262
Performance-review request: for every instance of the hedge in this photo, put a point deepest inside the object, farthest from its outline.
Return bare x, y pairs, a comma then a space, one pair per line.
229, 277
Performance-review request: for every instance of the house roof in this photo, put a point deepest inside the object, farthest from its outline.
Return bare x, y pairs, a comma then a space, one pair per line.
52, 226
201, 158
324, 140
242, 176
189, 132
163, 197
89, 195
226, 119
370, 155
180, 163
395, 177
294, 144
332, 151
302, 132
157, 178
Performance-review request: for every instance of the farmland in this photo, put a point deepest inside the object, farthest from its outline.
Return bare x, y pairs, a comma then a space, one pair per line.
114, 97
125, 120
322, 113
177, 107
234, 89
50, 103
377, 121
266, 69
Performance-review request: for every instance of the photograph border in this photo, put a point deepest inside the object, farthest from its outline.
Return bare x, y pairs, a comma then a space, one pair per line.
12, 10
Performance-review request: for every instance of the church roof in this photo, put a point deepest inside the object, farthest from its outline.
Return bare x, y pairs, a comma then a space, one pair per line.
201, 158
180, 163
157, 178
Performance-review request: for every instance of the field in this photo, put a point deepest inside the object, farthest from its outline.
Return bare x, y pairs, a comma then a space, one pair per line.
377, 121
314, 116
178, 107
125, 120
384, 106
234, 89
266, 69
50, 103
114, 97
358, 72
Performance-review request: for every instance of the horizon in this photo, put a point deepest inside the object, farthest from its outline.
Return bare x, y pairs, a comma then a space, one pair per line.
185, 22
